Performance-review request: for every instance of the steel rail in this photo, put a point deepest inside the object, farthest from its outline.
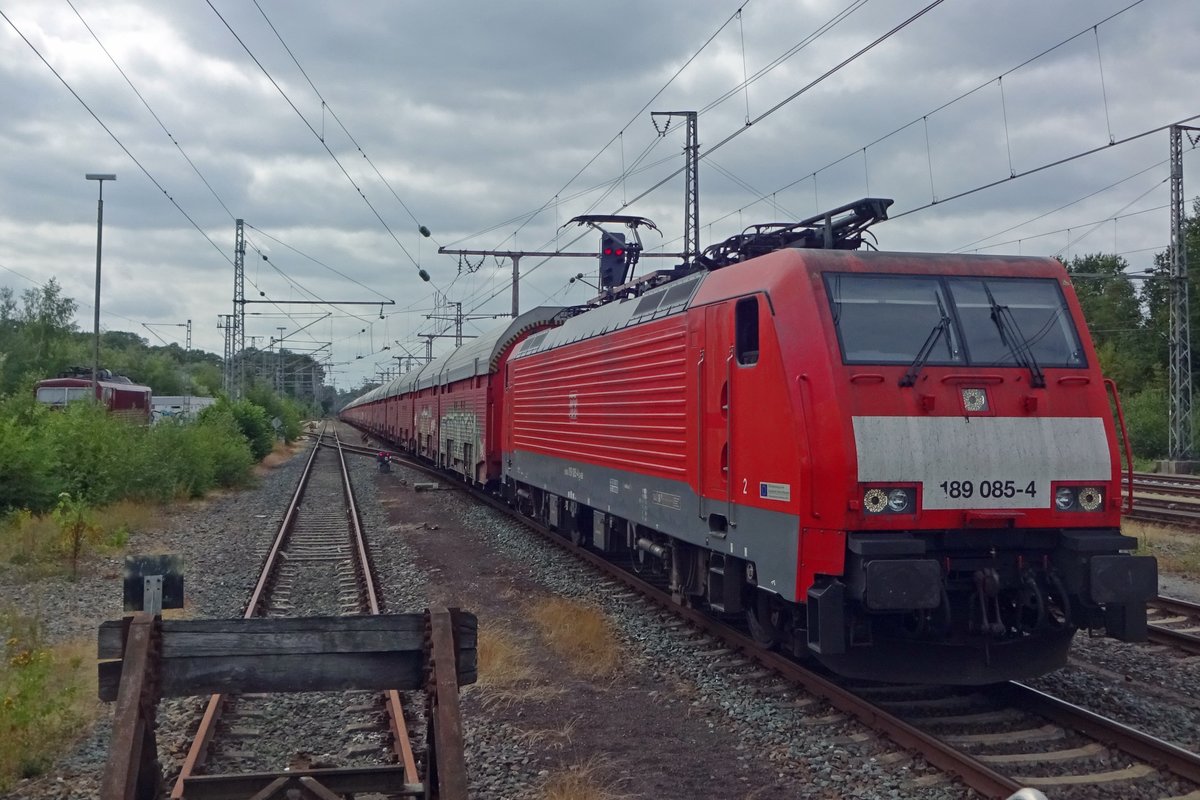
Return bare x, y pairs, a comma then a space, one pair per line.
198, 752
401, 744
1175, 605
974, 773
1181, 640
1157, 752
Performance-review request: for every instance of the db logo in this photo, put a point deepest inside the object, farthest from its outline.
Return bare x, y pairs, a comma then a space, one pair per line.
573, 406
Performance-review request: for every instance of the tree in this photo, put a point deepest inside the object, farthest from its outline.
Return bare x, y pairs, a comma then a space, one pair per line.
1123, 340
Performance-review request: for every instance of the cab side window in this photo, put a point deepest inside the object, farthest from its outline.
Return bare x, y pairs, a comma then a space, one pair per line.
745, 320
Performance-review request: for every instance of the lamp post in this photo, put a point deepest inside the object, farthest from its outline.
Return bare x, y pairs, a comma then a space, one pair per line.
93, 176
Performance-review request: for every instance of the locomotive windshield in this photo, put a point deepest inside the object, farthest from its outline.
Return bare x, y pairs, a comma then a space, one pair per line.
886, 319
61, 395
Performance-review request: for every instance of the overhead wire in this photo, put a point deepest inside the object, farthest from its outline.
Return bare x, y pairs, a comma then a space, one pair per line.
315, 134
208, 184
964, 95
831, 71
325, 105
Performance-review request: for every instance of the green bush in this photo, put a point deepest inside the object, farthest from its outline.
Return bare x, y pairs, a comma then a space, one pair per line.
231, 456
1146, 419
180, 461
90, 453
24, 469
256, 426
284, 409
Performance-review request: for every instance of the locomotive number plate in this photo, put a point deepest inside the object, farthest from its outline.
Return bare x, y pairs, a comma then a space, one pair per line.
988, 489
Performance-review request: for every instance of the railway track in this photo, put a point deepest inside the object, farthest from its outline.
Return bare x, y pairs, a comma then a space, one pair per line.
1165, 499
997, 740
318, 564
1175, 623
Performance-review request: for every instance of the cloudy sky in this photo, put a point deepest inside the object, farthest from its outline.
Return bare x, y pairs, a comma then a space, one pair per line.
494, 123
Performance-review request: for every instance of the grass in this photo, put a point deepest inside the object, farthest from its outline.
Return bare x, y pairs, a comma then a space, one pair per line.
1177, 551
47, 697
506, 672
36, 542
580, 782
279, 455
580, 633
503, 659
117, 522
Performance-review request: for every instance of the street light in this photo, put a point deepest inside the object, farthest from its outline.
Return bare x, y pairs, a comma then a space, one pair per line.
93, 176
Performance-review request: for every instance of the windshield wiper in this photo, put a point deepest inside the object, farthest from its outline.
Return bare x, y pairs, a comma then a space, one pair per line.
940, 329
1012, 338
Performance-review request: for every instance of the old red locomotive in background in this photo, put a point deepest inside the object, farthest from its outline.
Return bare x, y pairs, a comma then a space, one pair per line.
902, 464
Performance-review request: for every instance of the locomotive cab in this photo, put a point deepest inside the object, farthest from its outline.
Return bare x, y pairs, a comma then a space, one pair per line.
975, 457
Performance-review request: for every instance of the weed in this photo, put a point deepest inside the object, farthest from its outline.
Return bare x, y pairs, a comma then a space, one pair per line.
117, 522
27, 539
506, 675
74, 520
46, 698
1176, 550
579, 633
580, 782
503, 659
550, 738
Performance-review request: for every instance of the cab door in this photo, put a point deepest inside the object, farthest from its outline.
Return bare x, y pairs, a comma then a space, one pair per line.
715, 371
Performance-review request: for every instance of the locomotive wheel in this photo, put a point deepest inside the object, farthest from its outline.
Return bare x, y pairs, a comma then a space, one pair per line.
764, 620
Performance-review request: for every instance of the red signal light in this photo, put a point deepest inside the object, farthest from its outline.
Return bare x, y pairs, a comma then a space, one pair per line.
620, 252
608, 251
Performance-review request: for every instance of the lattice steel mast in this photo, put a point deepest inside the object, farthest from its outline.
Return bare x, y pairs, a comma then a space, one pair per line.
691, 180
1180, 442
239, 309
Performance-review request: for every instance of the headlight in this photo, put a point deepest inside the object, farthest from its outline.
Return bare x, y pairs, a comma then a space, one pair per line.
1078, 498
1064, 498
897, 500
1090, 498
875, 500
890, 500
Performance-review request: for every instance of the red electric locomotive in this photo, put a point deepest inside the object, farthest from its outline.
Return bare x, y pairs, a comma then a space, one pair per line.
121, 396
904, 465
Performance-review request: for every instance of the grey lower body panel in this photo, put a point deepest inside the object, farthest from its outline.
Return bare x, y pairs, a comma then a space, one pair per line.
769, 539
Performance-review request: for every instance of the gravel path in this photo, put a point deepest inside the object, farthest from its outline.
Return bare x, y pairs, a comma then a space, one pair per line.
680, 720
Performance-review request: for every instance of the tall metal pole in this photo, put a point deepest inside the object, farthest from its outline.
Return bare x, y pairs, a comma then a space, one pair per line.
239, 307
225, 323
516, 301
691, 179
1179, 446
101, 178
691, 191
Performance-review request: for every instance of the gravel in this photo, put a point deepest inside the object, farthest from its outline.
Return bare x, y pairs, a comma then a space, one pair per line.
810, 751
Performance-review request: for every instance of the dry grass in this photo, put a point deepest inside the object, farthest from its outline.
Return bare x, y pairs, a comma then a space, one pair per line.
281, 454
506, 672
47, 699
503, 659
550, 738
116, 523
580, 633
1177, 551
36, 543
580, 782
31, 541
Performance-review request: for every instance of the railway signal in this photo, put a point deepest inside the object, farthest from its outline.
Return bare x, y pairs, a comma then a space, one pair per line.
612, 259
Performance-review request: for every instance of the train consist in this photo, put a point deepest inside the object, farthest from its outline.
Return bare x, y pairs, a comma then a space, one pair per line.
904, 465
121, 396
